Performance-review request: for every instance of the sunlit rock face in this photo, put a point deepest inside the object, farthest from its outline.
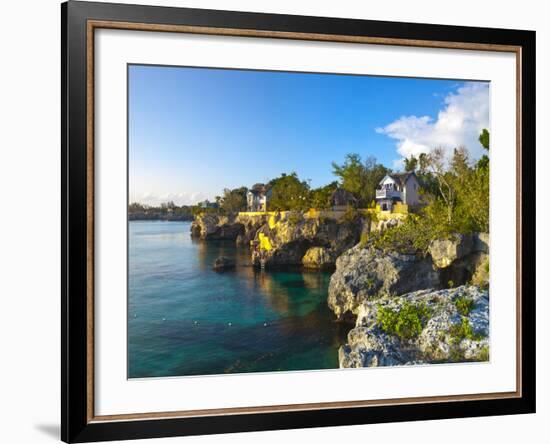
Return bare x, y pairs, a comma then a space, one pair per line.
365, 273
213, 226
292, 239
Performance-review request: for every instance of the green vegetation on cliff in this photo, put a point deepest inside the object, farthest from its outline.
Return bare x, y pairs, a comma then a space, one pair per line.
406, 322
456, 196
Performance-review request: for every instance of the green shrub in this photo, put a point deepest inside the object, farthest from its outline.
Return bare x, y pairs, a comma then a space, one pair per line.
406, 323
483, 354
461, 331
363, 241
464, 305
415, 234
350, 215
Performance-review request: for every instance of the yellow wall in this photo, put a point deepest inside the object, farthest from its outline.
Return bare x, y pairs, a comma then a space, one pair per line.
265, 244
399, 209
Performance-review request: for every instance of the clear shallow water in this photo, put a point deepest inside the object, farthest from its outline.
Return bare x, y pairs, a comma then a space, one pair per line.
179, 310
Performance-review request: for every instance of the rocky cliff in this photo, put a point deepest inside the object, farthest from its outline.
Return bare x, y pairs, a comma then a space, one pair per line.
286, 238
314, 242
240, 228
364, 272
215, 226
424, 326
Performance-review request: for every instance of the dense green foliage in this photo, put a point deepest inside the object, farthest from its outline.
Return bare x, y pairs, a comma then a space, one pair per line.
461, 331
464, 305
406, 323
234, 200
320, 198
411, 163
415, 234
288, 193
360, 178
484, 139
456, 196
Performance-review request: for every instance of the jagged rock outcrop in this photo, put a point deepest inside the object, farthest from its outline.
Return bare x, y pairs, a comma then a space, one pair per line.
318, 258
214, 226
364, 273
461, 257
251, 225
291, 239
445, 251
223, 263
449, 325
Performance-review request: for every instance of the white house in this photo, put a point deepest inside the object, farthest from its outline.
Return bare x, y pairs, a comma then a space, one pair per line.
398, 187
257, 197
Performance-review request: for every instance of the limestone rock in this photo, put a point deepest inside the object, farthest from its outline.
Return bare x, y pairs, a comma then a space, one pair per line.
481, 242
214, 226
447, 334
445, 251
292, 239
365, 273
318, 257
370, 348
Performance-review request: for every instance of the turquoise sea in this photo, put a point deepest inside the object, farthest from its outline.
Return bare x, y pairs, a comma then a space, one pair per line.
186, 319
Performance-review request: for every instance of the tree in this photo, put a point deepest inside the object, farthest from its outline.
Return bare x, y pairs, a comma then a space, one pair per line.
476, 191
483, 162
360, 178
374, 173
461, 194
234, 200
434, 163
351, 173
136, 207
288, 192
484, 139
411, 163
460, 162
320, 197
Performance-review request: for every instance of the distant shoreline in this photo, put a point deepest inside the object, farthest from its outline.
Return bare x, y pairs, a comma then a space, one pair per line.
159, 217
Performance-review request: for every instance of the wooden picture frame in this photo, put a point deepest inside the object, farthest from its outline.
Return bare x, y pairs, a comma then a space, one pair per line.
79, 22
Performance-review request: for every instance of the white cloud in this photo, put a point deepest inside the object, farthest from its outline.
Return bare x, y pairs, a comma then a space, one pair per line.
155, 199
459, 123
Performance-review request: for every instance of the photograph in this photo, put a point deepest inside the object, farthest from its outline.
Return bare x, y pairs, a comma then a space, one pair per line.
305, 221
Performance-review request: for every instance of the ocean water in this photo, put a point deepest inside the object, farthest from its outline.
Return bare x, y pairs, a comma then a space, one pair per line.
186, 319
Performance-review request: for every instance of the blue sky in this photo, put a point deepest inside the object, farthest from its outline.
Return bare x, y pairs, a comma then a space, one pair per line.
195, 131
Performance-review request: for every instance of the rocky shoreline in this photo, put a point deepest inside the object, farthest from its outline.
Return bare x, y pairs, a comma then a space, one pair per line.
407, 308
283, 239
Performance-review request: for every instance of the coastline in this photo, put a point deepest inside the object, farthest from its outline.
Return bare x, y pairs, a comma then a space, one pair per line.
408, 306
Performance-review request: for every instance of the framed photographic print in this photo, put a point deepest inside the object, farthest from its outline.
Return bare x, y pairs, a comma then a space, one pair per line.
275, 221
